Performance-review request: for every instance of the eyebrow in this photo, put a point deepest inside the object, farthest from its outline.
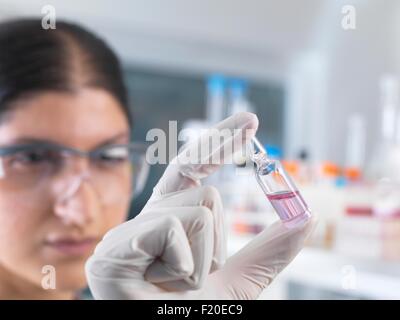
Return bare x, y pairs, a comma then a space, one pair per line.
31, 140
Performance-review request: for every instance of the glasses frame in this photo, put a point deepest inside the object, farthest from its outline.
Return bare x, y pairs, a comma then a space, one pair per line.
141, 151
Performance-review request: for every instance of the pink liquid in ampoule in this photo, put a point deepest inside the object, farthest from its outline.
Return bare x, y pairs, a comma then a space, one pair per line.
291, 207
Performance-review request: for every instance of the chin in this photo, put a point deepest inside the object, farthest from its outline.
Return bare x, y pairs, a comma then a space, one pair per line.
65, 273
71, 278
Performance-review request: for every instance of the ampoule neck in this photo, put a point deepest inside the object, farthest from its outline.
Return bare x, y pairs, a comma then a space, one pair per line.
263, 164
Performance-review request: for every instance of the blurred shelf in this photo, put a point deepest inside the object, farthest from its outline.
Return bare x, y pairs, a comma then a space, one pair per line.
328, 270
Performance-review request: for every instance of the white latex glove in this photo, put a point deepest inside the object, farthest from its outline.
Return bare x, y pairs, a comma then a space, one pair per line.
176, 247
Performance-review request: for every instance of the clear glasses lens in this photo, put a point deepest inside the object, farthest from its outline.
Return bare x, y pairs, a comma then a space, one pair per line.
113, 170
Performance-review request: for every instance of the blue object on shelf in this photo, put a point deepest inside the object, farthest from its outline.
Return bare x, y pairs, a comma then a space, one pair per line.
273, 151
238, 87
216, 83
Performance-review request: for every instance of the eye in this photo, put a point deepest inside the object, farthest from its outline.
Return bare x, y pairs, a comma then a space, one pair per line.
113, 155
31, 157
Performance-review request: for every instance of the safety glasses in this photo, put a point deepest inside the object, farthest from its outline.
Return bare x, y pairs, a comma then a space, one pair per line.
111, 169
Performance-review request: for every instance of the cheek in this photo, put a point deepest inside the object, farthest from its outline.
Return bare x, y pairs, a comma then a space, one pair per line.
21, 222
21, 219
116, 212
115, 215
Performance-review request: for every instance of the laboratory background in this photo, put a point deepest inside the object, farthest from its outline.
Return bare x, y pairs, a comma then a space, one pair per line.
323, 77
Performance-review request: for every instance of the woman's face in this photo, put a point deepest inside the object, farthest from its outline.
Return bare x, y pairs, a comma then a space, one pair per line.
58, 221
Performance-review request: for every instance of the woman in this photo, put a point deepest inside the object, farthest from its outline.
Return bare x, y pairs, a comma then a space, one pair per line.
61, 87
66, 179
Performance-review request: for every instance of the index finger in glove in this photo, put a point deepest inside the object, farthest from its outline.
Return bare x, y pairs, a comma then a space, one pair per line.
204, 156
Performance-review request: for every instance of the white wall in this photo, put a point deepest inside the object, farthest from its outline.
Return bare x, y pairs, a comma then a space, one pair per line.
351, 64
253, 38
330, 73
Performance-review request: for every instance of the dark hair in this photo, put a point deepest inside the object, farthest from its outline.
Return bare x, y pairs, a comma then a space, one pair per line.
33, 60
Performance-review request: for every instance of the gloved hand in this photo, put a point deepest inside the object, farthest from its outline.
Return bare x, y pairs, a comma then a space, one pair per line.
176, 247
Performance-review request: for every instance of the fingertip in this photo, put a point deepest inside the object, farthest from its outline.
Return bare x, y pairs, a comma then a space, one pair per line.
249, 120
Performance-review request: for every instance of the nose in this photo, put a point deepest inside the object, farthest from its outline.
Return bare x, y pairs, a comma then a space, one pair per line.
78, 203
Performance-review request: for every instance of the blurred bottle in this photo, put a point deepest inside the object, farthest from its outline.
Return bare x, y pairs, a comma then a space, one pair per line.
384, 166
216, 102
305, 169
215, 112
215, 109
385, 162
328, 174
238, 100
355, 152
292, 167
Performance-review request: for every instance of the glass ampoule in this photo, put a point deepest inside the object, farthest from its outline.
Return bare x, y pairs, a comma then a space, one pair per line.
279, 188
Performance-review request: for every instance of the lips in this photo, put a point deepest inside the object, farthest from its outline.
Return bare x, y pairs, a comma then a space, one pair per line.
72, 246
